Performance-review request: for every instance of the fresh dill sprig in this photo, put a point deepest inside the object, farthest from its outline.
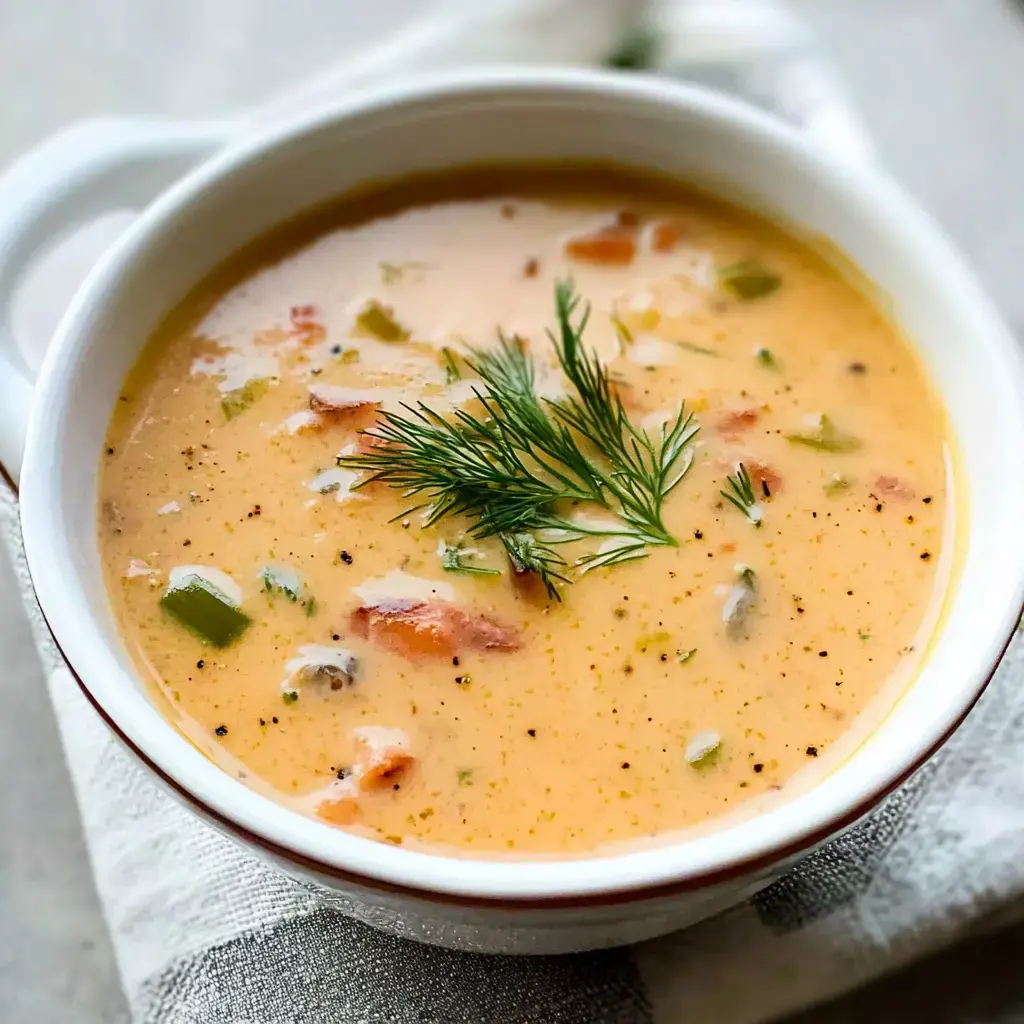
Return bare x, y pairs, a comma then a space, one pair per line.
512, 469
453, 559
741, 493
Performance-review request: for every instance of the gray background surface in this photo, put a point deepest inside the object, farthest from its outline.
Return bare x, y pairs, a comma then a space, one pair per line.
939, 83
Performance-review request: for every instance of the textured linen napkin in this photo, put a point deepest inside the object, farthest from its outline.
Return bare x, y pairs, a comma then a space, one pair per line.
205, 934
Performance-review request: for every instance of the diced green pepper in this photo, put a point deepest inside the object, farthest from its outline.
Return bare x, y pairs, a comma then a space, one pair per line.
200, 607
748, 280
379, 322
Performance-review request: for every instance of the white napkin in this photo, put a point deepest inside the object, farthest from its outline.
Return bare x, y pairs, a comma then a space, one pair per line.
205, 934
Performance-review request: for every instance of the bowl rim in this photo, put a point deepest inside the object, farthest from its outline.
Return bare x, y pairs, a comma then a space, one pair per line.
605, 877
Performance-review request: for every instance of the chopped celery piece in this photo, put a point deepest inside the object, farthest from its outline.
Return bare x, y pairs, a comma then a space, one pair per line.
748, 280
704, 749
238, 400
281, 581
202, 608
823, 434
379, 322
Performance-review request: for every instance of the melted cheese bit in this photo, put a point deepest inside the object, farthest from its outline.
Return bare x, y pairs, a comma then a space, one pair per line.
652, 352
400, 586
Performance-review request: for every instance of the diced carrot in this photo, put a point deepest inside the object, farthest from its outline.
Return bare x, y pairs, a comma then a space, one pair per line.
306, 326
613, 245
429, 629
379, 766
665, 235
893, 488
732, 424
342, 811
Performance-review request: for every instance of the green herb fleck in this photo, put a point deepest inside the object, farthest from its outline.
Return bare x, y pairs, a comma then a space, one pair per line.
311, 607
689, 346
637, 51
377, 321
652, 640
390, 273
464, 776
748, 280
684, 656
765, 357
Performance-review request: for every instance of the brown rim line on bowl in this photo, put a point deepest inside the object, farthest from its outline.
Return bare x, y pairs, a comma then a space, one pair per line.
489, 117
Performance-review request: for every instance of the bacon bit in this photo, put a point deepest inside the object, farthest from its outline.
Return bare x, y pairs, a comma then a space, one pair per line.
627, 219
666, 234
530, 268
342, 811
726, 549
893, 488
305, 324
762, 474
429, 629
732, 424
610, 246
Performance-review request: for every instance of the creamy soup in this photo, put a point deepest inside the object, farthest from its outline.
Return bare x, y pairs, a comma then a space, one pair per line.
401, 541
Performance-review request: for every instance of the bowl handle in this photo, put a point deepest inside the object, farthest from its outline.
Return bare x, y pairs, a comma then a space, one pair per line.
72, 178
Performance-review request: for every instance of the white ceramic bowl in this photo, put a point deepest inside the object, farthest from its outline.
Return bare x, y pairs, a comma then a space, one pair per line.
244, 189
